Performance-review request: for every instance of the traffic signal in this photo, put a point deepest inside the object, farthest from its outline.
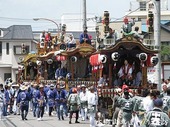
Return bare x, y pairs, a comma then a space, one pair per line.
23, 48
106, 21
150, 22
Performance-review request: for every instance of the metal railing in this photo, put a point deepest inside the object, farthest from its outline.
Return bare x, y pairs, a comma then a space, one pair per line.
150, 43
109, 42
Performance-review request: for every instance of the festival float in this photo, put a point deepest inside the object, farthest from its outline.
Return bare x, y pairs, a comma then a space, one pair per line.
99, 66
41, 66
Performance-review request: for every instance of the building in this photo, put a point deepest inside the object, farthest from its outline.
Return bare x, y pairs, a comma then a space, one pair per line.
11, 39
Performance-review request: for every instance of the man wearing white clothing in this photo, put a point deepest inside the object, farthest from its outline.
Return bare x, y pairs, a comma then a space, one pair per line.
71, 43
83, 102
16, 109
148, 101
92, 105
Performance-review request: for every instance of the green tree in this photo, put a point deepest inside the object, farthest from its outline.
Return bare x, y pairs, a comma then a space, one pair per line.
165, 52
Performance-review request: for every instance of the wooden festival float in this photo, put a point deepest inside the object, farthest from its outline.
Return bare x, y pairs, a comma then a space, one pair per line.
94, 66
41, 66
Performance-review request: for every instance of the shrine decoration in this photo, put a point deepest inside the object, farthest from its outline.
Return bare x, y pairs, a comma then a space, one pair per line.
115, 56
107, 92
38, 62
97, 62
143, 57
73, 59
21, 67
154, 60
60, 58
49, 61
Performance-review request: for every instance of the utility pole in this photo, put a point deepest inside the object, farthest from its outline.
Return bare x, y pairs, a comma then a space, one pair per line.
157, 39
84, 15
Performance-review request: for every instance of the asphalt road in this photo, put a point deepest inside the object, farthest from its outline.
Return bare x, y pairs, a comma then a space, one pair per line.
15, 121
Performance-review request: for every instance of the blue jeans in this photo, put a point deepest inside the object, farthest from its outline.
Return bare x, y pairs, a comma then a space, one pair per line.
40, 111
5, 107
65, 109
59, 111
34, 109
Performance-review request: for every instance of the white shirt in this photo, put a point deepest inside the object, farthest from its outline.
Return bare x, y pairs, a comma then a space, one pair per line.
71, 41
92, 98
83, 96
148, 104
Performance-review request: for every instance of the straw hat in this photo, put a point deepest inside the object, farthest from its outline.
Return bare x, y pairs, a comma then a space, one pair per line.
83, 86
62, 86
15, 85
41, 86
35, 85
23, 87
9, 84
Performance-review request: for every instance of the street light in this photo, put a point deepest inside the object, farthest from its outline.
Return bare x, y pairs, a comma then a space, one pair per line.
36, 19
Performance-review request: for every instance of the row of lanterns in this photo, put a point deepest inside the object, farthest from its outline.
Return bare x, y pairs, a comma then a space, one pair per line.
106, 92
98, 59
58, 58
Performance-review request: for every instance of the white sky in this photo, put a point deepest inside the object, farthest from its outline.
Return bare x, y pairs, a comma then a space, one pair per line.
21, 12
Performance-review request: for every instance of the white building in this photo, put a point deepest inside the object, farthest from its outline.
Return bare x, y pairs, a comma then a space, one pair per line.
11, 39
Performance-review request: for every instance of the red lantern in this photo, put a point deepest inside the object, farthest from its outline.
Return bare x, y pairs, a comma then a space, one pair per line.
94, 60
60, 58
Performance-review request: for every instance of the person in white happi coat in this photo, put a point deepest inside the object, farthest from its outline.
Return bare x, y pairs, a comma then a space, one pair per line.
148, 101
92, 105
83, 102
16, 109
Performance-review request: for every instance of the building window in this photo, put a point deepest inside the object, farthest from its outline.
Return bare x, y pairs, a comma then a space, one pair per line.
142, 6
167, 43
7, 48
1, 33
0, 48
151, 6
18, 50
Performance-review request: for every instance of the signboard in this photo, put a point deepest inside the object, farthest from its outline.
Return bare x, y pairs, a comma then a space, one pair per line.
152, 74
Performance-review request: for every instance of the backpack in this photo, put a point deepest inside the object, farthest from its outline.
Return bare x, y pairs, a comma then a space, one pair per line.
23, 98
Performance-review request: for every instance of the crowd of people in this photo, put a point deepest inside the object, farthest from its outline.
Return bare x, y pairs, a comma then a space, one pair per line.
141, 107
131, 108
19, 99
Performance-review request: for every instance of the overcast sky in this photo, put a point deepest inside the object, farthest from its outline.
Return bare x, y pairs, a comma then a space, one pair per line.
21, 12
